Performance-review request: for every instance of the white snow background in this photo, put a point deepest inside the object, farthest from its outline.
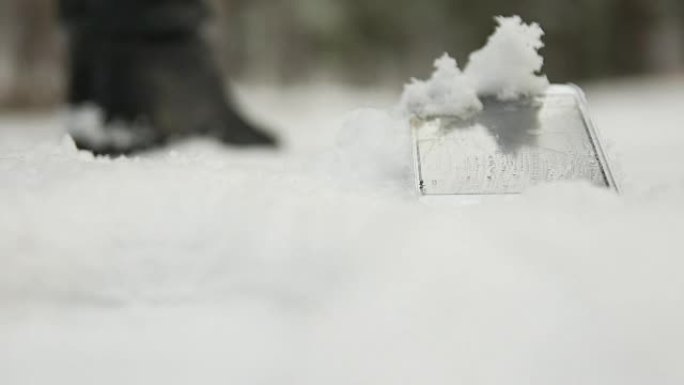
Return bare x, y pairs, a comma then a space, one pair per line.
199, 264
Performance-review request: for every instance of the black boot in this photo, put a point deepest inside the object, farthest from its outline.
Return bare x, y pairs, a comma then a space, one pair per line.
152, 82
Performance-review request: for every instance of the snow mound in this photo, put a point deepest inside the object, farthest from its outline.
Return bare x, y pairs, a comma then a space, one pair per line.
507, 66
375, 145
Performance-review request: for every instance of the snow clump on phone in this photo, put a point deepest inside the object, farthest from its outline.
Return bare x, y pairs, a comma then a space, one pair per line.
507, 67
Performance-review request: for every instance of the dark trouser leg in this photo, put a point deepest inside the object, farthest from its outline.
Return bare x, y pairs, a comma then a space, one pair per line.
81, 76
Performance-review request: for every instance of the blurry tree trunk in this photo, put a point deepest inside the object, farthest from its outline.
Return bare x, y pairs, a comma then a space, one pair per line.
6, 49
32, 54
226, 30
635, 21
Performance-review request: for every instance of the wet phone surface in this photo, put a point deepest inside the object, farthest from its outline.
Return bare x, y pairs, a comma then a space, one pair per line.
510, 146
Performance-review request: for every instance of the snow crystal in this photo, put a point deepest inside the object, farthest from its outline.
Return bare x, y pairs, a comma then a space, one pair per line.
447, 92
506, 67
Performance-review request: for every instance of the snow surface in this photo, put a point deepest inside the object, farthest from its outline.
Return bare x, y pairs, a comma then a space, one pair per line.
506, 67
197, 264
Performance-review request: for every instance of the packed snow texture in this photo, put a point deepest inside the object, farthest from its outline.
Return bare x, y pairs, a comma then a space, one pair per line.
506, 67
197, 264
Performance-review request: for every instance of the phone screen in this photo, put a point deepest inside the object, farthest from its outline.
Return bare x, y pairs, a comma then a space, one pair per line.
510, 146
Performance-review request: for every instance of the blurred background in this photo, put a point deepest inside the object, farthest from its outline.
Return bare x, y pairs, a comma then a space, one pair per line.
368, 43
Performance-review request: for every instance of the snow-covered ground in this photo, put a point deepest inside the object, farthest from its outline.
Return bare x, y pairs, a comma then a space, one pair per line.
201, 264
